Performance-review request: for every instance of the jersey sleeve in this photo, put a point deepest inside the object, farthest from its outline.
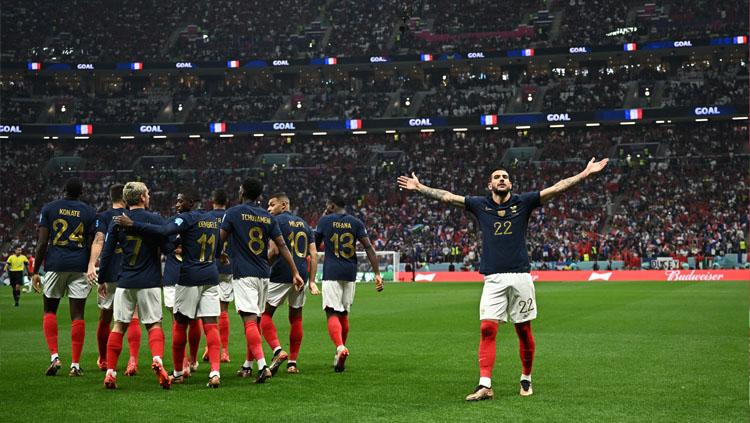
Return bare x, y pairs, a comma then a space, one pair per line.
44, 217
111, 240
226, 222
274, 230
310, 235
100, 224
360, 231
531, 199
472, 204
158, 227
90, 222
319, 231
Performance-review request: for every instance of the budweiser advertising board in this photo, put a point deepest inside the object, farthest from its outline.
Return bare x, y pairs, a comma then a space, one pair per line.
589, 275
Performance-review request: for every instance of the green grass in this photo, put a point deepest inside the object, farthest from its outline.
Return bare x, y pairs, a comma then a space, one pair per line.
605, 352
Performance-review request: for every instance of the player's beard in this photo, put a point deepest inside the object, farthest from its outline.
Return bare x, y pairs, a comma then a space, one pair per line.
501, 192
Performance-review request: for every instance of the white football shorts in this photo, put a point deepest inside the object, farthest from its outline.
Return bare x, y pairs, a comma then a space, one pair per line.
338, 295
508, 296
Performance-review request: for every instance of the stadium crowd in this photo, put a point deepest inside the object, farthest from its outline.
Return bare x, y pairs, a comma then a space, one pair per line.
655, 200
229, 29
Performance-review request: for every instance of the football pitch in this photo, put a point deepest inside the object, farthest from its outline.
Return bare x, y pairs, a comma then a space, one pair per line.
604, 352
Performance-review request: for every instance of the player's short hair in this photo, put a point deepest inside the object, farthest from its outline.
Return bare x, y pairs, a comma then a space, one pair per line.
220, 197
499, 169
281, 196
132, 192
252, 188
337, 201
190, 194
74, 187
115, 192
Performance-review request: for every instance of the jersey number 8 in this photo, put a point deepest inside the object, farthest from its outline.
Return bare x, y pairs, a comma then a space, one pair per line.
256, 243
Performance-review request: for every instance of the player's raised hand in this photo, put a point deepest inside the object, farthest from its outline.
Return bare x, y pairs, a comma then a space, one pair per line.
378, 283
36, 283
595, 167
123, 220
405, 182
314, 288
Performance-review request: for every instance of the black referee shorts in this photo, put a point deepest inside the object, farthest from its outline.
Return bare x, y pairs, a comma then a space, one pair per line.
16, 278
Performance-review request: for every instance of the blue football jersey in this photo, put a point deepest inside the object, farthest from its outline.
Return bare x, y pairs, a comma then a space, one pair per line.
199, 238
250, 229
340, 233
298, 236
172, 263
103, 220
224, 269
503, 228
141, 253
71, 225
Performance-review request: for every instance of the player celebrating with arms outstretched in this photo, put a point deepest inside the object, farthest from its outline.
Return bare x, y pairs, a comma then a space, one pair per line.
508, 289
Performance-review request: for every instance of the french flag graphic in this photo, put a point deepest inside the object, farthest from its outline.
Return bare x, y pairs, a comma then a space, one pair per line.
425, 57
634, 114
218, 127
84, 129
354, 124
489, 120
527, 52
331, 60
630, 47
35, 66
233, 64
136, 66
742, 39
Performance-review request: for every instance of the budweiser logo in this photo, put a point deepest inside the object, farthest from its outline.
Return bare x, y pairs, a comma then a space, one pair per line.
600, 276
678, 275
422, 277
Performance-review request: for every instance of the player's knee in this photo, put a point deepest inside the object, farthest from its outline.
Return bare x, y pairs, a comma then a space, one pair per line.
295, 314
523, 329
488, 329
181, 318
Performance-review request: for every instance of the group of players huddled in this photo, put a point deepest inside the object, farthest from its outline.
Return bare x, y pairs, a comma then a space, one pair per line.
199, 283
255, 257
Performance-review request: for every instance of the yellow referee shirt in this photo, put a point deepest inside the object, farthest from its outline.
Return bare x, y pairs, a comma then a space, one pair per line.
16, 262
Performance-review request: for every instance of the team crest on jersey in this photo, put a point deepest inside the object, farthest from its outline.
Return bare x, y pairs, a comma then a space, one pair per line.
501, 213
513, 209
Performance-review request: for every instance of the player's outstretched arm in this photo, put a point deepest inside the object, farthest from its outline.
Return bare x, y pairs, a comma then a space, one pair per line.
171, 228
373, 258
413, 184
592, 168
299, 284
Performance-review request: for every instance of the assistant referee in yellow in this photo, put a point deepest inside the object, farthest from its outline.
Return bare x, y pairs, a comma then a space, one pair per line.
15, 267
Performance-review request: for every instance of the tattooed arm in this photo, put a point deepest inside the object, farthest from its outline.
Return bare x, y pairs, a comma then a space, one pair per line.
413, 184
565, 184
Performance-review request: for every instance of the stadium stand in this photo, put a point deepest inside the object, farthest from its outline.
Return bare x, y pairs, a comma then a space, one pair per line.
656, 199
